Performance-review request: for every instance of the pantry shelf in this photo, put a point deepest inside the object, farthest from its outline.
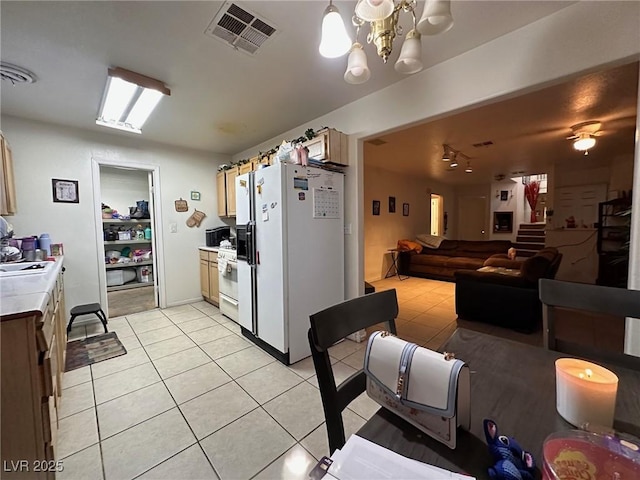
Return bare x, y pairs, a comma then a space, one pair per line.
110, 266
133, 221
120, 242
128, 286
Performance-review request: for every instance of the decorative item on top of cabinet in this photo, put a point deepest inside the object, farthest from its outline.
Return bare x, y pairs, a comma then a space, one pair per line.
328, 146
7, 183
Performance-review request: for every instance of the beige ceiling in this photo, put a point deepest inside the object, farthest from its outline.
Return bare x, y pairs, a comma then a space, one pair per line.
222, 100
528, 132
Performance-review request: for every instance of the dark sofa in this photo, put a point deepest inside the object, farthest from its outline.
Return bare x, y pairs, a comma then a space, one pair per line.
507, 296
452, 255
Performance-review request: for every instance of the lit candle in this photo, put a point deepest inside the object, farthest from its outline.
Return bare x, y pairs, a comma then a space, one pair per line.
585, 392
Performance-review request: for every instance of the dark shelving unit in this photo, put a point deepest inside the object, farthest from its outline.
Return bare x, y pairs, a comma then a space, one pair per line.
613, 234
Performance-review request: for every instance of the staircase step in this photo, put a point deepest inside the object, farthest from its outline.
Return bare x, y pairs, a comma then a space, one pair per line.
530, 232
530, 239
533, 226
529, 246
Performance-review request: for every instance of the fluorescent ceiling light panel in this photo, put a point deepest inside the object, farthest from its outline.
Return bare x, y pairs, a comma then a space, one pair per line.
129, 99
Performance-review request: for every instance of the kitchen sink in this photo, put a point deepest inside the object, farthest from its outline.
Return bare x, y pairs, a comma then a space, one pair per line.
24, 268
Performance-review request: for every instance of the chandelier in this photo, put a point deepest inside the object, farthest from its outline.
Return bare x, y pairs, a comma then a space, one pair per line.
383, 18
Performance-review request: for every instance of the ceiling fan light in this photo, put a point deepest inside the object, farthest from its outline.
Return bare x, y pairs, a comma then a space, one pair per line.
584, 142
454, 162
372, 10
436, 17
468, 169
357, 68
334, 42
410, 59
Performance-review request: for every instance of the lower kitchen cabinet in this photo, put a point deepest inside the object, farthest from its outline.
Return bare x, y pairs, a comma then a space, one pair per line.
33, 357
209, 276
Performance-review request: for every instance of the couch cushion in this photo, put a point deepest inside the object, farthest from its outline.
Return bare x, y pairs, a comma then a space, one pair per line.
433, 260
466, 263
536, 267
495, 261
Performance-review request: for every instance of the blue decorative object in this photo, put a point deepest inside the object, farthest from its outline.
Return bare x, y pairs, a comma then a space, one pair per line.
512, 462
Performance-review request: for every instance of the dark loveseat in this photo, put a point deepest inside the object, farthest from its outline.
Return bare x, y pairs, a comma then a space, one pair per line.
506, 294
441, 263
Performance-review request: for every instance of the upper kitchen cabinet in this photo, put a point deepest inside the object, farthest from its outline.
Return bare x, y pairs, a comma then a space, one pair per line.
330, 146
7, 185
231, 175
226, 192
221, 190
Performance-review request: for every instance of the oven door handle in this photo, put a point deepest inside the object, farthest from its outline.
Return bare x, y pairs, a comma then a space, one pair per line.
228, 299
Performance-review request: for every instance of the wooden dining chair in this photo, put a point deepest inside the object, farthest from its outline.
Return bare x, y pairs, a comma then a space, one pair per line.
328, 327
618, 302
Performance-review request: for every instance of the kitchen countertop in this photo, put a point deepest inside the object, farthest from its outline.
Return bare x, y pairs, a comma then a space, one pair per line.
209, 249
27, 295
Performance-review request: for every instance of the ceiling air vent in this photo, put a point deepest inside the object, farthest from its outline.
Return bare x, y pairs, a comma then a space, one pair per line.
483, 144
15, 74
239, 28
376, 142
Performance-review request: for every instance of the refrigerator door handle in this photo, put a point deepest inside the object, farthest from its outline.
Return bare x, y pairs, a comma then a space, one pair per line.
251, 249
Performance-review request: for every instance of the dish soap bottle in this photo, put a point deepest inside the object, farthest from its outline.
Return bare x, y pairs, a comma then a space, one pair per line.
147, 233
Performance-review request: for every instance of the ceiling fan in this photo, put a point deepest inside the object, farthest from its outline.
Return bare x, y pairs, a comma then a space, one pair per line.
584, 135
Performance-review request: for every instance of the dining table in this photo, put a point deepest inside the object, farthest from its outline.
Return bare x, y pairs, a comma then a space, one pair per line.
512, 384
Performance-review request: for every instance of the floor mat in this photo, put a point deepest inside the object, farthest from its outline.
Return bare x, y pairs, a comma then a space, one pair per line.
81, 353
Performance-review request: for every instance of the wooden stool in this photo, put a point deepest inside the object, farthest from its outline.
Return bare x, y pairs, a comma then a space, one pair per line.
87, 309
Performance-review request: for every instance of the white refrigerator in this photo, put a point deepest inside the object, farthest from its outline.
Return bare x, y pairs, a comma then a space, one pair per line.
290, 232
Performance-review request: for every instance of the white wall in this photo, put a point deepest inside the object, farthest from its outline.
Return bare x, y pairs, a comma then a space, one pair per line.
573, 41
120, 188
43, 151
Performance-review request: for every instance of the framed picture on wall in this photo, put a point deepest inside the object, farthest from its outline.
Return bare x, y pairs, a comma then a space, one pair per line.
392, 204
376, 207
405, 209
65, 191
504, 195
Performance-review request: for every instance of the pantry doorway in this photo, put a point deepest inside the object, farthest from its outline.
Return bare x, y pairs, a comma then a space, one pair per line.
129, 251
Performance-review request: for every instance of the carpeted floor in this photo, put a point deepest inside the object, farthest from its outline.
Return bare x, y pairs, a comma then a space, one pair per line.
81, 353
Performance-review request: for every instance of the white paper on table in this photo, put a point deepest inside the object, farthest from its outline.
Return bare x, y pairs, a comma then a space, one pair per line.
361, 459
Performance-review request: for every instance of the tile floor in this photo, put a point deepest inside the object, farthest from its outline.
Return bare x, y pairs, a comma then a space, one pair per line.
192, 399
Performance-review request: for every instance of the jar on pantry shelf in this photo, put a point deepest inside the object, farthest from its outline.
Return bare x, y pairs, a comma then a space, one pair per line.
147, 233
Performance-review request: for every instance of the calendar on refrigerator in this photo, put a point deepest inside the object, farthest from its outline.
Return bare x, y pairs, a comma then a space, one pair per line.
326, 203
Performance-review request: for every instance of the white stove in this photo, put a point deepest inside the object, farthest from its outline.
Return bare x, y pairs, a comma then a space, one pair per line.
228, 282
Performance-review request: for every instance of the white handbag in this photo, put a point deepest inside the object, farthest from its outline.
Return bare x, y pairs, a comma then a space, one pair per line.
428, 389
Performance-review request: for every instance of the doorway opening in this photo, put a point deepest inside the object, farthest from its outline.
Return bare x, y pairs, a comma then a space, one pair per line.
437, 215
128, 248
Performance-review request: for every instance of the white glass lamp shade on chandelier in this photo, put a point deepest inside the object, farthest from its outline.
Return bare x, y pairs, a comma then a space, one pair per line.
357, 68
436, 17
335, 42
383, 18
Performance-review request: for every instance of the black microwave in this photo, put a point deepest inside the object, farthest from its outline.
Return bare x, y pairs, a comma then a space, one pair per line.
217, 235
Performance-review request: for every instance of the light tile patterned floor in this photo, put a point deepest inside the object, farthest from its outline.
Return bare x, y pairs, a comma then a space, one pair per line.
192, 399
